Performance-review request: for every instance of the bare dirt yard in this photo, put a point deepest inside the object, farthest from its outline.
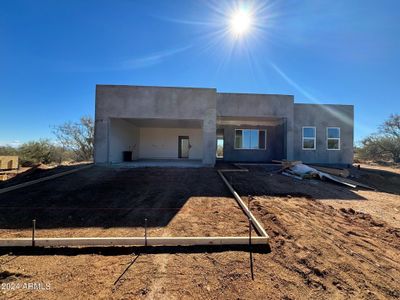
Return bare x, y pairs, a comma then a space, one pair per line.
325, 241
26, 174
115, 202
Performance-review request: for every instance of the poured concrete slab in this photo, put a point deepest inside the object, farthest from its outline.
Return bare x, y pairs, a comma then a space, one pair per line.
164, 163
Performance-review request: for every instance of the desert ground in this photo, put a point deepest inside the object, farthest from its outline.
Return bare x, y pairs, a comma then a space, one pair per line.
328, 241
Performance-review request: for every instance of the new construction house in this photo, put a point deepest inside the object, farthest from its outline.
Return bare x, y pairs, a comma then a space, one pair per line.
200, 124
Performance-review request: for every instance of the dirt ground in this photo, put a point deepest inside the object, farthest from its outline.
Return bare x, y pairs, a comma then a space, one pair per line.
322, 245
25, 174
115, 202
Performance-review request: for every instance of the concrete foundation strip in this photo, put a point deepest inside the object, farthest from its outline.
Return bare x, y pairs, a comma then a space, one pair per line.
142, 241
260, 229
131, 241
21, 185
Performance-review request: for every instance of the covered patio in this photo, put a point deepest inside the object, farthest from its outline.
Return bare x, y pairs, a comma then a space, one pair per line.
155, 142
251, 139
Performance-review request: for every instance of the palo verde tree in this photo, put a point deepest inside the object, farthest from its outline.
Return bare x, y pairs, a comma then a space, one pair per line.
41, 151
384, 145
77, 137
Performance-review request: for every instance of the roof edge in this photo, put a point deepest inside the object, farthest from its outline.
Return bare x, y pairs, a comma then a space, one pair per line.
154, 86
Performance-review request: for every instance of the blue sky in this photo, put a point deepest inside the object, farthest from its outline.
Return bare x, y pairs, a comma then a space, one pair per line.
53, 53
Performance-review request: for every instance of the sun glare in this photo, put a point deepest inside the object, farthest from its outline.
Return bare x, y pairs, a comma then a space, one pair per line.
241, 22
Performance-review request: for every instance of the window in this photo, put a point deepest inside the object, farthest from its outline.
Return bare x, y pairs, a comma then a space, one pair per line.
333, 138
250, 139
309, 138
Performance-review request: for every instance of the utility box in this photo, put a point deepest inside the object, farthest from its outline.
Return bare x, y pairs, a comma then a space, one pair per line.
127, 155
9, 162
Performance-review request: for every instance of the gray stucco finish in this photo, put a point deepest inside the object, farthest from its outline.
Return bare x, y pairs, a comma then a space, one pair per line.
207, 107
114, 101
258, 105
323, 116
274, 146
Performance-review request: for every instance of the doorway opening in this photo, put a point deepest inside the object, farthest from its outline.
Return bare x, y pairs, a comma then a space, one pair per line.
220, 147
183, 147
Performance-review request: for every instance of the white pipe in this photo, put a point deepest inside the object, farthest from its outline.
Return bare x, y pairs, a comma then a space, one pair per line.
131, 241
249, 214
21, 185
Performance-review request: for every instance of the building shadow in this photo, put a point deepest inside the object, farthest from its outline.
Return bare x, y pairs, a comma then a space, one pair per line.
112, 251
104, 197
261, 182
381, 180
108, 197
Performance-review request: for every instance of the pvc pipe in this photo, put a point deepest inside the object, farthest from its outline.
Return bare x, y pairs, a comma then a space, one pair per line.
131, 241
260, 229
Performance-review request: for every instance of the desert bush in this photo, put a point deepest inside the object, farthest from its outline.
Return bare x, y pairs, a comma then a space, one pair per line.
8, 150
34, 152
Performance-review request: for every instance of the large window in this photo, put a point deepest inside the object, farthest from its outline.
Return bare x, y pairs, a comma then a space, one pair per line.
309, 138
333, 138
250, 139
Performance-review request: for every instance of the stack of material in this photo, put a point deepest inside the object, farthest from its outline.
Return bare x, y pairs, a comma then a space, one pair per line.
8, 167
8, 163
302, 171
298, 170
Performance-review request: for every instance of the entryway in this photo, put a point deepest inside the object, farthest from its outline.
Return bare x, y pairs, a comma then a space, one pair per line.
183, 146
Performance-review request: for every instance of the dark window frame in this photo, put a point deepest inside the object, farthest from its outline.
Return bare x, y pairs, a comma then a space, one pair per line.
259, 142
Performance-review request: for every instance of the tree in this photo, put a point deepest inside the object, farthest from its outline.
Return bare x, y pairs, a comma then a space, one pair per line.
8, 150
77, 137
384, 145
36, 152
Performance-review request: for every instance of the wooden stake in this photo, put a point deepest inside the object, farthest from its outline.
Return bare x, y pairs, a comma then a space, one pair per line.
33, 232
145, 232
251, 251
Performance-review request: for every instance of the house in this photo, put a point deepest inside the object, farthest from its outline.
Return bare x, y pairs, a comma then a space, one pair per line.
189, 124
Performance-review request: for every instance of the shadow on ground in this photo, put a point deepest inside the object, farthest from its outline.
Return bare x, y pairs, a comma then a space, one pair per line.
108, 197
381, 180
36, 172
268, 182
112, 251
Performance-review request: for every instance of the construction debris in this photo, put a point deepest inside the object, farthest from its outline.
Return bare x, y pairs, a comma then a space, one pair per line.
333, 171
298, 170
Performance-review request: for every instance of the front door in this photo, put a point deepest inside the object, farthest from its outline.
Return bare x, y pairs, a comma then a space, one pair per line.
183, 147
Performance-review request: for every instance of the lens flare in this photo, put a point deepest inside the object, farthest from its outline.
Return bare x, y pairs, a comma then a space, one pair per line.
241, 22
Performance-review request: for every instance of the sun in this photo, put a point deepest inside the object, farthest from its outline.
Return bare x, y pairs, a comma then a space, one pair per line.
241, 22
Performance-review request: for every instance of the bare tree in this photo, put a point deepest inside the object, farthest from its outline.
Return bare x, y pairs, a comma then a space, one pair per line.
391, 127
77, 137
386, 143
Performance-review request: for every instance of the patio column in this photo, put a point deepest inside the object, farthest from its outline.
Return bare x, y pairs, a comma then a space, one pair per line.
209, 137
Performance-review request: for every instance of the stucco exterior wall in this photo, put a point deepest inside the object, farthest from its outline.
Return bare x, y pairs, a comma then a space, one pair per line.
123, 137
323, 116
274, 147
258, 105
116, 101
163, 142
203, 107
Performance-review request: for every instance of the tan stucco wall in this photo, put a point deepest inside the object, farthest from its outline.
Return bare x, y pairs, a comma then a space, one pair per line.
123, 137
163, 142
